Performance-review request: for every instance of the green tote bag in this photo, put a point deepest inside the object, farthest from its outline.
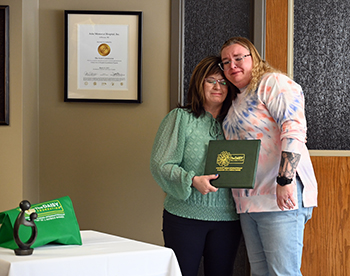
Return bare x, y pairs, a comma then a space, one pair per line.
56, 223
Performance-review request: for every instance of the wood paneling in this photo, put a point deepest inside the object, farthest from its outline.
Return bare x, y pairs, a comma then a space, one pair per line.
327, 234
277, 33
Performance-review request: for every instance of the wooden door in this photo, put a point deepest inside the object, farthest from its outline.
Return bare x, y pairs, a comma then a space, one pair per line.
327, 234
277, 33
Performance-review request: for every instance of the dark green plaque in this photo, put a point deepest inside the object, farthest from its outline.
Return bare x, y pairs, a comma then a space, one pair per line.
235, 161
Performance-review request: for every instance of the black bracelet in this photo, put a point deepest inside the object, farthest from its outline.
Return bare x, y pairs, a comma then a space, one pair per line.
283, 181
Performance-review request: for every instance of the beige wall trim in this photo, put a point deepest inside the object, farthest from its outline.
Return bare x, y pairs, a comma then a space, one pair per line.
260, 26
329, 152
290, 48
176, 52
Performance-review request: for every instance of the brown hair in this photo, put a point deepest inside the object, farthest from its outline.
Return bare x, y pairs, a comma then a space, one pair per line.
195, 97
260, 66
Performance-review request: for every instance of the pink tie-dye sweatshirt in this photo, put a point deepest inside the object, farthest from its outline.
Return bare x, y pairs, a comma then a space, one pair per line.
274, 113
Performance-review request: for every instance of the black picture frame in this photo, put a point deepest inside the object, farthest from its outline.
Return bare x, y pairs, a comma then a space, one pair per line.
4, 65
103, 56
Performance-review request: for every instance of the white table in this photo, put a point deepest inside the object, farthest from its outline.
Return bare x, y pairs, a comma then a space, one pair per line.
100, 255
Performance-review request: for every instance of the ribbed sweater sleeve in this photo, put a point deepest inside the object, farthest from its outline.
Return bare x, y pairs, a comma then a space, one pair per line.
167, 155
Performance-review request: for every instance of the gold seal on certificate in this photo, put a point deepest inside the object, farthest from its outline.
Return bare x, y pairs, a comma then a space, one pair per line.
104, 49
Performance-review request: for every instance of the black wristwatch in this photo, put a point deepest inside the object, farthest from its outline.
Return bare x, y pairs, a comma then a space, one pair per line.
283, 181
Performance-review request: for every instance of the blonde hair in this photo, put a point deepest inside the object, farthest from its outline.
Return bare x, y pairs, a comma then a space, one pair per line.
260, 66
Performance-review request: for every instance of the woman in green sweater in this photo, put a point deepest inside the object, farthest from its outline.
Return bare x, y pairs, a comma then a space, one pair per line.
199, 219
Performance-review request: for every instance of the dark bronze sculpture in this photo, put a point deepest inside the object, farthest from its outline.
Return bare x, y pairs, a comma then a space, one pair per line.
24, 247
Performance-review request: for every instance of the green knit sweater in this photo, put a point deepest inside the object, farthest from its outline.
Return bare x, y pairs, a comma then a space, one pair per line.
178, 154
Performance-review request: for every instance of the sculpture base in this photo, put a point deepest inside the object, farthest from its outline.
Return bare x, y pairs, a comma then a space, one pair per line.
24, 252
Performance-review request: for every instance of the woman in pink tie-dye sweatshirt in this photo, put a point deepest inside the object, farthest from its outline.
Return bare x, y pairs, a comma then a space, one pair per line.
269, 106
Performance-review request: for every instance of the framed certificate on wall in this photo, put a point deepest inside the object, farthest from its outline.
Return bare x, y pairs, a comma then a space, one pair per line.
4, 65
103, 56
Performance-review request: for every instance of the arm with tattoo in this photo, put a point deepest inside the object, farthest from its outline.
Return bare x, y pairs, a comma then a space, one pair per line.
288, 167
289, 163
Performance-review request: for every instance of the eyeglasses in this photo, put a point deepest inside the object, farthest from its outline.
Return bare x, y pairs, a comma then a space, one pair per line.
238, 61
213, 81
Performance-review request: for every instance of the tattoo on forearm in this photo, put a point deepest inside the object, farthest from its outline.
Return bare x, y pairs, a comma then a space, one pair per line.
289, 163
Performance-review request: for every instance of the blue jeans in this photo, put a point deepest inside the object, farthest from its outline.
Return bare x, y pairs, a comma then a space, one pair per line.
274, 240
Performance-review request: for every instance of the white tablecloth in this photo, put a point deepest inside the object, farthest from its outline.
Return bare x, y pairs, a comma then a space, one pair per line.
100, 255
